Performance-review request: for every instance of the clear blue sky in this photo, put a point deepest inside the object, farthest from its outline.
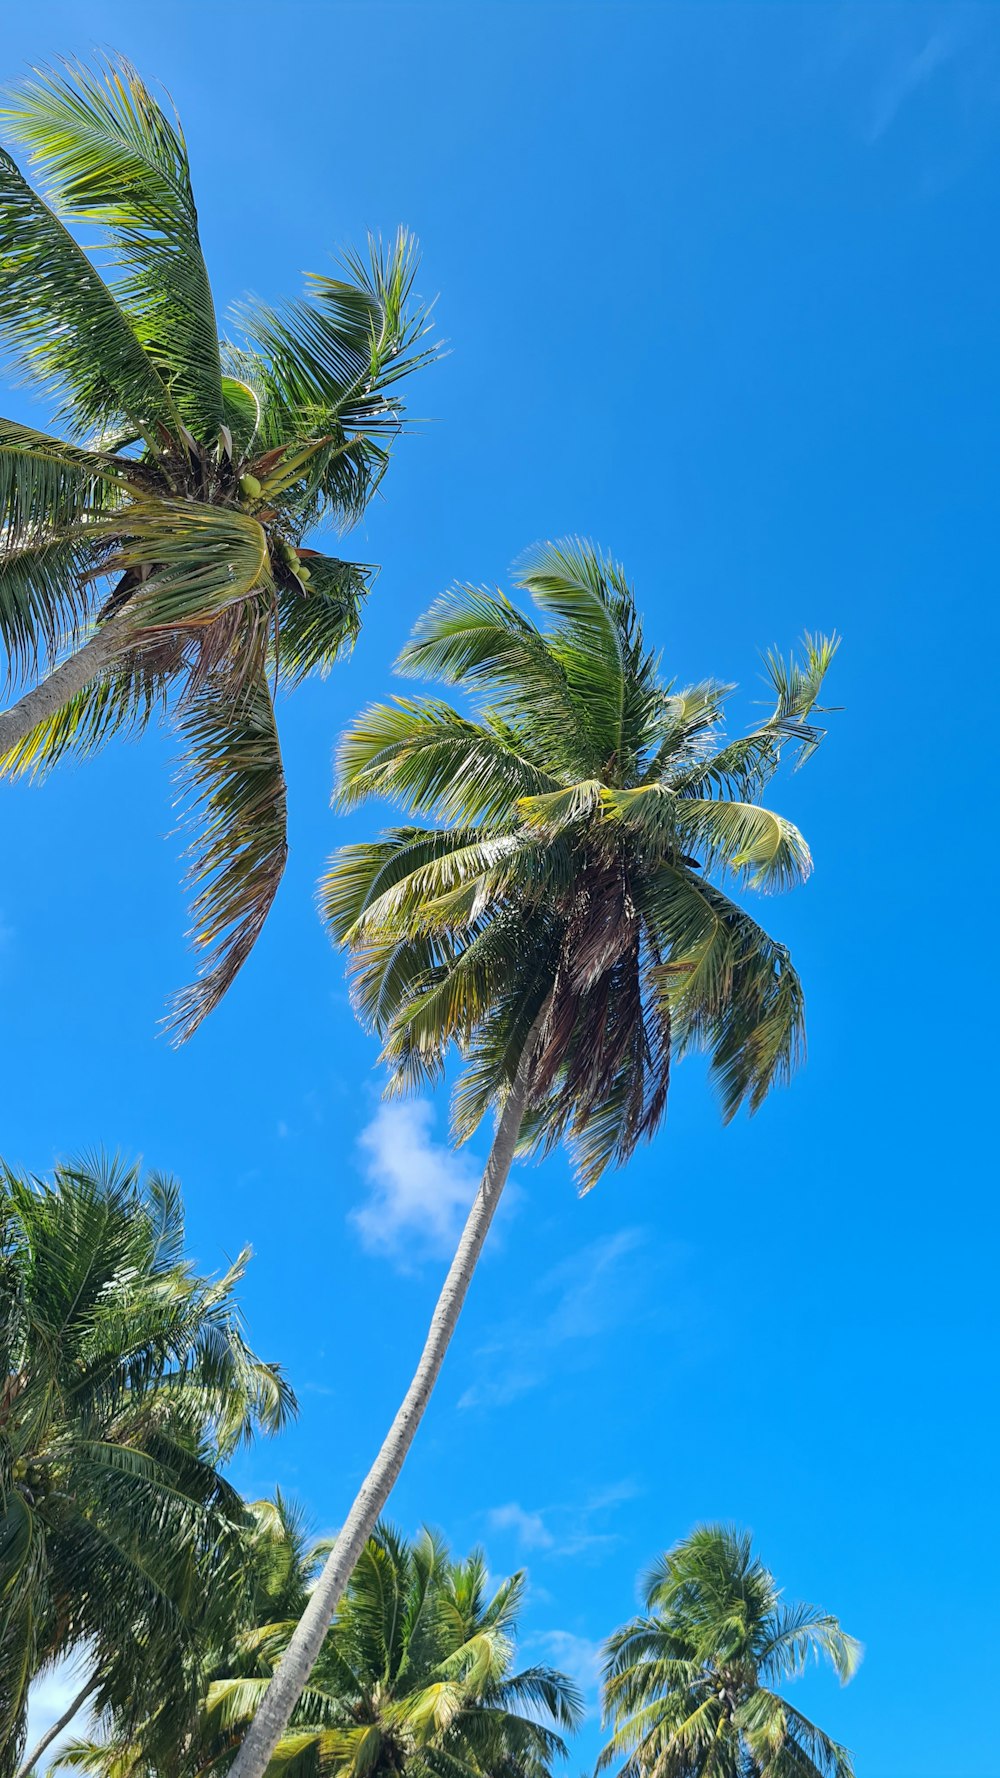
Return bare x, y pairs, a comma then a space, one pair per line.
720, 284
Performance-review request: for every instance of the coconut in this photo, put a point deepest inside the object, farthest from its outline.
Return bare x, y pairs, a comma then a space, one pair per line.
250, 487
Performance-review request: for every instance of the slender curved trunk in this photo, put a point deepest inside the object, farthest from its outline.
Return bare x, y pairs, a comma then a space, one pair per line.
298, 1660
63, 682
57, 1727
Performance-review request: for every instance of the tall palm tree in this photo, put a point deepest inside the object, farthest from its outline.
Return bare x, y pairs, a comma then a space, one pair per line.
125, 1379
688, 1686
414, 1679
564, 926
160, 541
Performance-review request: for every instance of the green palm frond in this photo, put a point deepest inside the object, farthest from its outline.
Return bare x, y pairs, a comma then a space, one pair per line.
424, 754
45, 593
195, 561
109, 154
61, 325
235, 785
47, 485
318, 624
120, 703
591, 602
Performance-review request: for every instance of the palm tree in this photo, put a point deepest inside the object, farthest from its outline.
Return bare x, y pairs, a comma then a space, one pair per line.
557, 927
414, 1679
161, 541
124, 1380
687, 1686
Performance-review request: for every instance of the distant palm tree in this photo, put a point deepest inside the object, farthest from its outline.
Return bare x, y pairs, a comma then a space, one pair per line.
160, 542
414, 1680
124, 1380
562, 927
688, 1687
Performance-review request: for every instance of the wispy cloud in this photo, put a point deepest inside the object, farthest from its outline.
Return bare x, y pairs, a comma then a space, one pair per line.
907, 76
578, 1656
419, 1190
530, 1528
578, 1300
568, 1528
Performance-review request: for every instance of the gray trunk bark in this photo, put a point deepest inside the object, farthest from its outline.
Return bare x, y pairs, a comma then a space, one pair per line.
296, 1664
57, 1727
63, 682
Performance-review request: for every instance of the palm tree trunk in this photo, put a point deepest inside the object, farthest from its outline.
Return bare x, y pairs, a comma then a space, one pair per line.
298, 1660
45, 699
57, 1727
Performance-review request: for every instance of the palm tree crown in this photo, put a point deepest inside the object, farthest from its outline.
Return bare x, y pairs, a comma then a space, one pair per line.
687, 1687
124, 1380
573, 896
415, 1676
172, 514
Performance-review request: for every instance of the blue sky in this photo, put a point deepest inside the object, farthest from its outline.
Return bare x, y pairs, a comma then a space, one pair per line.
719, 284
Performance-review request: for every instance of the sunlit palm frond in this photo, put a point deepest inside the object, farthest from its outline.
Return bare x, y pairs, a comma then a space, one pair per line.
109, 154
61, 325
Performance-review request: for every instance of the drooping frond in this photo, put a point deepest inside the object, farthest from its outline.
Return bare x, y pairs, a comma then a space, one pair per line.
45, 594
47, 485
109, 154
233, 776
318, 623
121, 701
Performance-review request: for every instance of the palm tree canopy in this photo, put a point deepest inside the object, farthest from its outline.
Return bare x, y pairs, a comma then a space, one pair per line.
415, 1678
688, 1687
589, 814
125, 1378
187, 472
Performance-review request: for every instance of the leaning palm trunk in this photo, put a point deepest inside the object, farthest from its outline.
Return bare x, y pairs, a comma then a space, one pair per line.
300, 1657
72, 676
75, 1704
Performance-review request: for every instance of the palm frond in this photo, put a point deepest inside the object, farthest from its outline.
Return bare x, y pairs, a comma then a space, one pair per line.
47, 485
122, 701
318, 623
235, 782
61, 325
109, 154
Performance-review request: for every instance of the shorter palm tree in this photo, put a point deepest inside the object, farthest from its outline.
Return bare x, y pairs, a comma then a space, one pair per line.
688, 1686
414, 1679
124, 1380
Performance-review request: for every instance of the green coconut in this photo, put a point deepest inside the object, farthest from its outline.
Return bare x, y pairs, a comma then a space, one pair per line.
250, 487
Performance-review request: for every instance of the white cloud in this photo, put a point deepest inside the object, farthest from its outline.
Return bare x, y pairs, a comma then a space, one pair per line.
530, 1528
419, 1190
48, 1698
